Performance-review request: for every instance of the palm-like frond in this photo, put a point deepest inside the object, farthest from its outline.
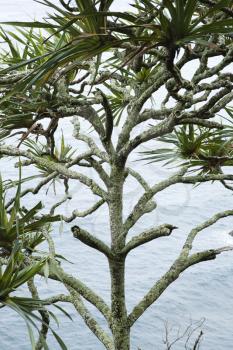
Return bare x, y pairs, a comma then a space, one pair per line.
195, 146
117, 102
179, 21
14, 275
19, 223
63, 153
86, 33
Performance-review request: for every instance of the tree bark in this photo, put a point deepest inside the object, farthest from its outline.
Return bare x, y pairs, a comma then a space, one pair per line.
119, 325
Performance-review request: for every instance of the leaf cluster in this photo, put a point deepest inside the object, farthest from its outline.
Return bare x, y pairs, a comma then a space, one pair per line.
90, 28
198, 147
13, 276
21, 225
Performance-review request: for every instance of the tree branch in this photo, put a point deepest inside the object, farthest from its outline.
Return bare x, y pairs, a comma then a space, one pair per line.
36, 189
86, 112
89, 319
44, 316
147, 236
211, 3
158, 130
52, 166
56, 299
193, 233
205, 178
141, 207
82, 214
183, 262
58, 274
139, 178
169, 277
91, 241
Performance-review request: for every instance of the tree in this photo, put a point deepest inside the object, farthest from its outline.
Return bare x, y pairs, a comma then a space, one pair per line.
101, 66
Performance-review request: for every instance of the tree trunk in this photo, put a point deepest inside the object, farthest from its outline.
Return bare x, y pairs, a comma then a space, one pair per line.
119, 326
120, 329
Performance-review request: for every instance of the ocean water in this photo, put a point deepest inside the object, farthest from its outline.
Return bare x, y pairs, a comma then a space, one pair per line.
204, 291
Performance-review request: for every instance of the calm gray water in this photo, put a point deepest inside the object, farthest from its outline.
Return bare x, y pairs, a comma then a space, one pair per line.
203, 291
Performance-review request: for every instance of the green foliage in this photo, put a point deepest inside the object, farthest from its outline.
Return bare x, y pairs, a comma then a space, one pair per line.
21, 224
20, 232
180, 21
14, 275
61, 154
78, 37
117, 103
201, 148
86, 32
